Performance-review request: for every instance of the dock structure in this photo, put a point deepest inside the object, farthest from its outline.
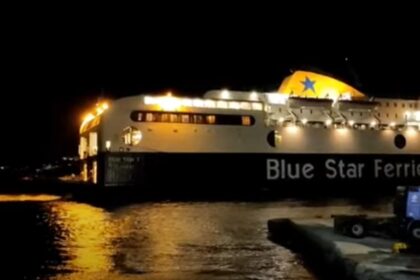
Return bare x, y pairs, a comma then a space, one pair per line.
334, 256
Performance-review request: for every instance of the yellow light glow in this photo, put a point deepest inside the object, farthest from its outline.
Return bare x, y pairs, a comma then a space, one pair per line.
292, 129
89, 117
169, 103
411, 131
99, 110
149, 100
392, 124
105, 106
373, 123
304, 121
342, 130
27, 197
351, 122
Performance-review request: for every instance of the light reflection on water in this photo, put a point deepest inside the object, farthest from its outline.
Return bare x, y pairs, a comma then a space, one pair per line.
27, 197
155, 240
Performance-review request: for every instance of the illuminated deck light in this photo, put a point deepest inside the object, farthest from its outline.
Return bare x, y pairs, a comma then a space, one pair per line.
373, 123
225, 94
136, 137
328, 122
169, 103
88, 118
253, 96
108, 145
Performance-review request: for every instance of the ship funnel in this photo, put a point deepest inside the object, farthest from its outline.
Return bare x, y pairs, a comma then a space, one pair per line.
314, 85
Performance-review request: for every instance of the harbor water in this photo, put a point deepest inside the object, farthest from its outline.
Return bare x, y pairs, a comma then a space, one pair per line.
43, 237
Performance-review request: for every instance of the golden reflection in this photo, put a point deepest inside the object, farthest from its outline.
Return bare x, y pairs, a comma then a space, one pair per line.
27, 197
156, 232
84, 233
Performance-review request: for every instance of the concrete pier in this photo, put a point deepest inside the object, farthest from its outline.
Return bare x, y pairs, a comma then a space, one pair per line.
333, 256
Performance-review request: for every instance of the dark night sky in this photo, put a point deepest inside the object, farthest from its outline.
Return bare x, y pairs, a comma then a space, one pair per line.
52, 72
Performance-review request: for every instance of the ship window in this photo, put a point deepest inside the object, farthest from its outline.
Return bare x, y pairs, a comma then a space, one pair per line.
149, 117
271, 139
395, 104
396, 116
140, 117
211, 119
93, 143
173, 118
400, 141
222, 104
198, 119
246, 120
210, 103
403, 105
83, 147
379, 114
387, 115
95, 172
310, 112
387, 104
245, 106
198, 103
351, 114
361, 114
257, 106
185, 118
415, 106
164, 118
410, 105
234, 105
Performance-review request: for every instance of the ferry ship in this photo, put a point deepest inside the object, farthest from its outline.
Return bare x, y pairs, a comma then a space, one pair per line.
313, 131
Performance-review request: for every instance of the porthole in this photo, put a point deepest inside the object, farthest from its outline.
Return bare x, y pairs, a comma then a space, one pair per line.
271, 139
400, 141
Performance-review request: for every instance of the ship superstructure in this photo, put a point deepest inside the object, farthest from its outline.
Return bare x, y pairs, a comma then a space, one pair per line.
313, 128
